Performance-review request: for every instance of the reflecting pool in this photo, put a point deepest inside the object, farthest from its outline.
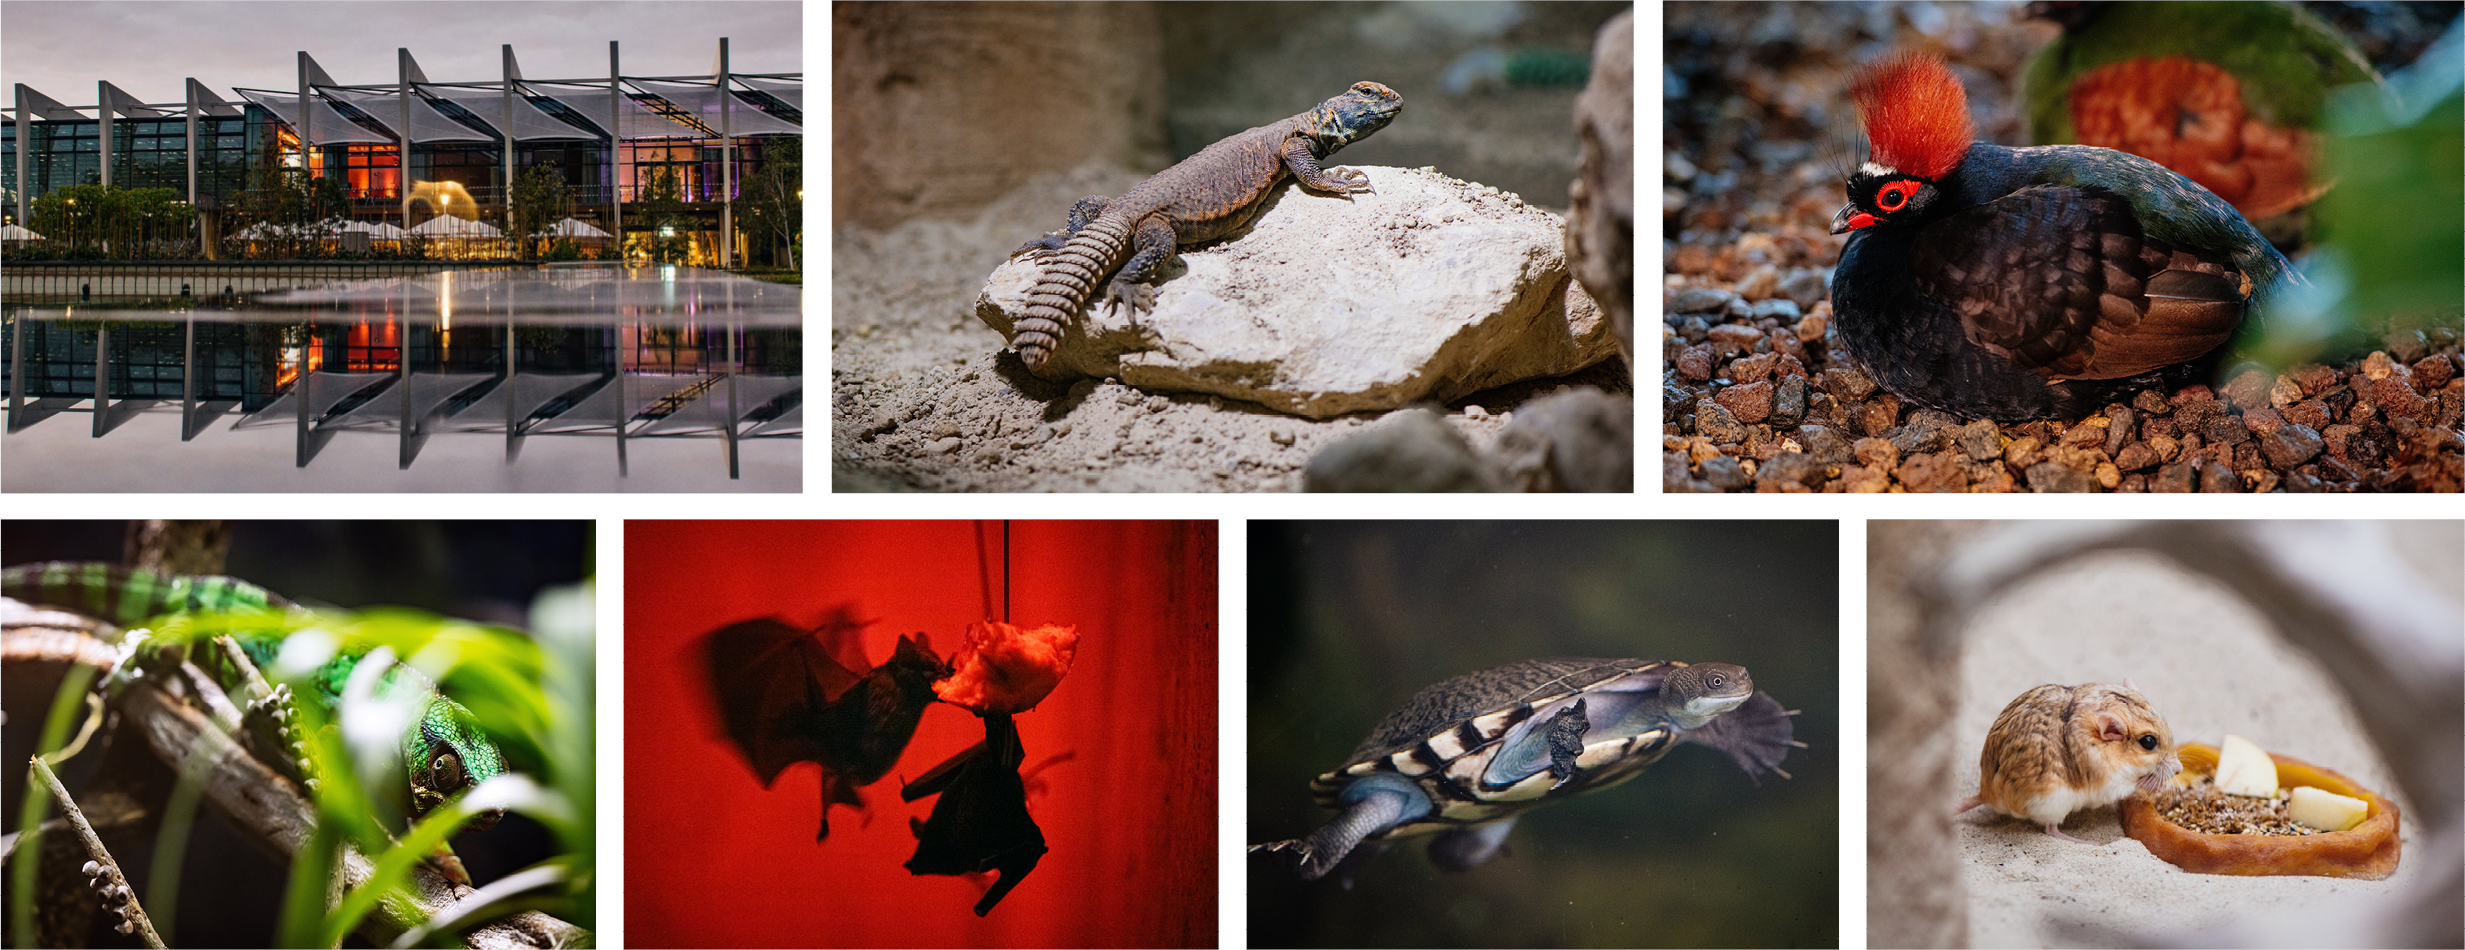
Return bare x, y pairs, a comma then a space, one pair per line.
559, 378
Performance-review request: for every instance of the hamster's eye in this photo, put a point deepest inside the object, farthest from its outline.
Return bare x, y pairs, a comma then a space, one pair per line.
2149, 742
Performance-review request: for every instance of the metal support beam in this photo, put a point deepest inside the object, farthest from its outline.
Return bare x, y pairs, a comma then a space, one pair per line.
511, 73
404, 71
102, 95
102, 378
300, 391
188, 363
25, 147
616, 139
191, 114
308, 139
727, 192
17, 348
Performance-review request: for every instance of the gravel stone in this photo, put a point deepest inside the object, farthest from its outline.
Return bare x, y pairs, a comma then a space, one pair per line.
1933, 473
2291, 445
1750, 403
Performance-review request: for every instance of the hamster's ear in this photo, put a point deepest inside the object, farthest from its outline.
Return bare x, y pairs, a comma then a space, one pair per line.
2110, 727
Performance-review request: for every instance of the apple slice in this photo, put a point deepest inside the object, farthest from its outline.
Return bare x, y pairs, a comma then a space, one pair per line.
2242, 769
2324, 810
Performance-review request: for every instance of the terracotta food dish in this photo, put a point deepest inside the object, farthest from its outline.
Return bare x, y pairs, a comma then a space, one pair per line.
2368, 850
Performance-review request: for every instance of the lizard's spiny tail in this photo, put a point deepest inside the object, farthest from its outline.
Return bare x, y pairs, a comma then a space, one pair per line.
1069, 280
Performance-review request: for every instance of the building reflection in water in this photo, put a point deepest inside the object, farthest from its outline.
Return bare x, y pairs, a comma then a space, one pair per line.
431, 356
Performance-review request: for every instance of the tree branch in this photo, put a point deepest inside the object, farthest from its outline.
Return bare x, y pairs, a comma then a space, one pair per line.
102, 865
266, 808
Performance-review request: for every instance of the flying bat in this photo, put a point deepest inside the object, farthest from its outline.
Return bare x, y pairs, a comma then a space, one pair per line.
785, 699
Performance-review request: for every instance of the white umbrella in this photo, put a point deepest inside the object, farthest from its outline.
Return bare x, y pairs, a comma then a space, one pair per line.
446, 225
573, 228
11, 232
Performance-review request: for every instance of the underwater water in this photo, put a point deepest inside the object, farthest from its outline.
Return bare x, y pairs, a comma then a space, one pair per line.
1119, 763
556, 378
1350, 619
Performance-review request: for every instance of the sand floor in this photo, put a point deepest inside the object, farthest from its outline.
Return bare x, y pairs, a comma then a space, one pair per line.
2211, 665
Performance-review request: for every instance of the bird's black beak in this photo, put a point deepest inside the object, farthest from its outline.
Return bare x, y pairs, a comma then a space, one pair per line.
1850, 219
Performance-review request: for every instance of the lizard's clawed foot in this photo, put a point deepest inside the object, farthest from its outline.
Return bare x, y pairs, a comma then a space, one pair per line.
1349, 180
1140, 298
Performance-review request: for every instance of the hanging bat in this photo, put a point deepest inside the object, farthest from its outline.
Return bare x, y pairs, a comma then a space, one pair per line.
785, 700
980, 823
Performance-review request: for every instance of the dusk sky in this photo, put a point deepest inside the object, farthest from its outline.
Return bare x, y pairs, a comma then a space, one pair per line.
61, 48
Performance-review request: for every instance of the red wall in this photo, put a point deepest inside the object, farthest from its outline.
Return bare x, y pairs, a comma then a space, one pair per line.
714, 860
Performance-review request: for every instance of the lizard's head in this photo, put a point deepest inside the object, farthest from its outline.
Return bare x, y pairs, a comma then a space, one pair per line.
1361, 110
448, 755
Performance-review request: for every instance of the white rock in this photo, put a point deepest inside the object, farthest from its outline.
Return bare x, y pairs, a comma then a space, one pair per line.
1428, 288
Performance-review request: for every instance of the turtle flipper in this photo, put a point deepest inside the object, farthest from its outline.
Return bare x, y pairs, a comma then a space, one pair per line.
1372, 805
1461, 849
1565, 742
1757, 735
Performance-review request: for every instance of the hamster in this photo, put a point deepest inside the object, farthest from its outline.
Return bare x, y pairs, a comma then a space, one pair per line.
2060, 749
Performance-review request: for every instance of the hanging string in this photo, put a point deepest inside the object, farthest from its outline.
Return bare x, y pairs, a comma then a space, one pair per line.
1005, 570
984, 569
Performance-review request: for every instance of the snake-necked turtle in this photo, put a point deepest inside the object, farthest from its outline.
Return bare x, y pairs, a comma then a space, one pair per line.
1465, 758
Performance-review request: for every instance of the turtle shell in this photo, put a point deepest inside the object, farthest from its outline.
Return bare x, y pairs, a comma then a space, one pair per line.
1445, 737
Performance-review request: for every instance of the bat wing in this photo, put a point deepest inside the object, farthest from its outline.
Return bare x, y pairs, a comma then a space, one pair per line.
774, 684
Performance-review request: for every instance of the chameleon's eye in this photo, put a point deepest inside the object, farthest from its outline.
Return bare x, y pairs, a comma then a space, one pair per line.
2149, 742
1895, 196
445, 772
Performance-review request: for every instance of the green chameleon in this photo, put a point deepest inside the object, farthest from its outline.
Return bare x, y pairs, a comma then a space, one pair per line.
443, 755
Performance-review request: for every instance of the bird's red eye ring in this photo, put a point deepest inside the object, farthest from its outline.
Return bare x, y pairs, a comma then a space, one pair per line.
1895, 196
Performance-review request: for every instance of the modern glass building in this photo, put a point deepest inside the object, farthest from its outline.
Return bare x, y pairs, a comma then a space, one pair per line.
411, 151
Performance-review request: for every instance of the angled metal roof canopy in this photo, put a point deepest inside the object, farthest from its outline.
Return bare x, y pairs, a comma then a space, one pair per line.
789, 91
122, 104
45, 107
427, 123
207, 103
530, 121
332, 128
638, 122
703, 102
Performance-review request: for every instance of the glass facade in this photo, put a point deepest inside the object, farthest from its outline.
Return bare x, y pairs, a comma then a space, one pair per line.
145, 153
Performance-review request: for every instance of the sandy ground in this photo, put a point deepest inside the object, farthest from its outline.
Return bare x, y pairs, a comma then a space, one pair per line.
145, 454
2211, 666
925, 399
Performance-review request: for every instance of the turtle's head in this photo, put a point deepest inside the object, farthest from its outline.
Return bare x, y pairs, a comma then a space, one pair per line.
1697, 693
446, 756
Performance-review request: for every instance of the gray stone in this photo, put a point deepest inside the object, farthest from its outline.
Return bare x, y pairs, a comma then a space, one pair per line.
1826, 444
2057, 477
1981, 439
1409, 451
1578, 440
1701, 300
1725, 473
1803, 286
1788, 402
1715, 423
1790, 468
1778, 308
1428, 288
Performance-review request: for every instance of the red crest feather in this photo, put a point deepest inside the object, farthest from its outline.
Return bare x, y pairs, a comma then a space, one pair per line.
1915, 112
